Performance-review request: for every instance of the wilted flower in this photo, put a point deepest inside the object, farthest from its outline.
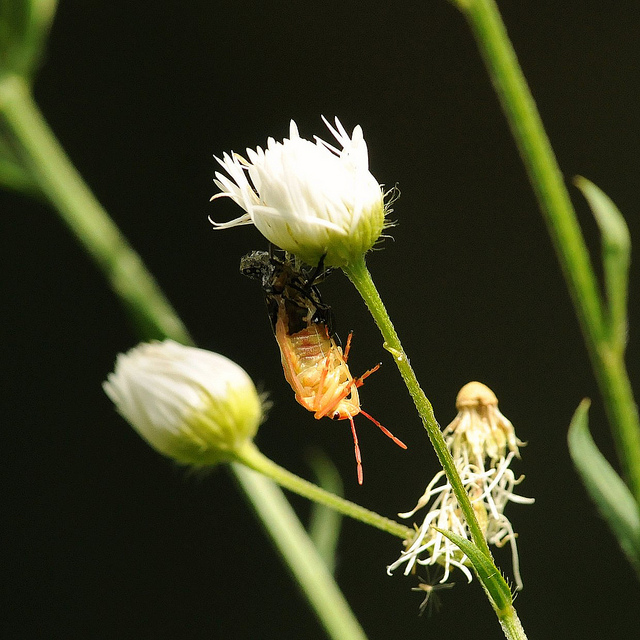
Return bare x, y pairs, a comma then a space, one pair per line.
192, 405
482, 443
310, 199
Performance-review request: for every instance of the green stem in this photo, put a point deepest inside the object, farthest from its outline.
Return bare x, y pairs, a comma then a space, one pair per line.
63, 186
548, 184
511, 625
253, 458
361, 278
59, 181
540, 162
299, 553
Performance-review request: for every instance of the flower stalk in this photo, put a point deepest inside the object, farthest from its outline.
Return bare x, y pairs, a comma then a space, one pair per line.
490, 579
251, 456
59, 181
546, 179
359, 275
293, 543
61, 184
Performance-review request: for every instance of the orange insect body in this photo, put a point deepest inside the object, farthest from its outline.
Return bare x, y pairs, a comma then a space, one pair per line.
314, 364
317, 371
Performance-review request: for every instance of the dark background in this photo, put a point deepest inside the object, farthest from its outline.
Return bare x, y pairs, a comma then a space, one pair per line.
103, 538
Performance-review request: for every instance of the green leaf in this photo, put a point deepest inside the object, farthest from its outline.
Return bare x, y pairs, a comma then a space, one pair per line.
24, 28
610, 494
325, 523
487, 572
616, 255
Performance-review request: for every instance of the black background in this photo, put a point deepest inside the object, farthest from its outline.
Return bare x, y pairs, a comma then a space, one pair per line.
103, 538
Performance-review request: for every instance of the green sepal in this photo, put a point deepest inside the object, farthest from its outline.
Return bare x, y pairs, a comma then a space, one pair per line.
487, 572
605, 487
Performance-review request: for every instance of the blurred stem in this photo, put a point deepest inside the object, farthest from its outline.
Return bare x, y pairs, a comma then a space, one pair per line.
307, 567
251, 456
324, 522
63, 186
548, 184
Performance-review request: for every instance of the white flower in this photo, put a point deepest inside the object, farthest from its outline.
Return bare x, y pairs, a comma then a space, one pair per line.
192, 405
483, 444
310, 199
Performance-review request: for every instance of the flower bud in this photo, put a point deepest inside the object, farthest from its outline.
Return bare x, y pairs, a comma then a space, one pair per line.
192, 405
307, 198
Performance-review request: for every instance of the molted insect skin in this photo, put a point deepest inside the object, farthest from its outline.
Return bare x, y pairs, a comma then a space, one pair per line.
314, 364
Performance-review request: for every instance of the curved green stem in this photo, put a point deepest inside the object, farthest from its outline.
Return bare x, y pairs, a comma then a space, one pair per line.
251, 456
63, 186
361, 278
548, 184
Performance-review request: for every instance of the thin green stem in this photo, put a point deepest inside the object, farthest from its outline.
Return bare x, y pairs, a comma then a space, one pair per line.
511, 625
540, 162
299, 553
361, 278
548, 184
63, 186
253, 458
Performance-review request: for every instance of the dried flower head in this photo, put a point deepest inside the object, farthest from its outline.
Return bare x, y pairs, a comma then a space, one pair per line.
483, 444
310, 199
192, 405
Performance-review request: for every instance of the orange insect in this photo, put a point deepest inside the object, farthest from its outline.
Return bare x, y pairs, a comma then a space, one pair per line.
314, 364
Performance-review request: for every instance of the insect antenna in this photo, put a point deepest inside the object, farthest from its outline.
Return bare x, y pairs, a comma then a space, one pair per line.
384, 430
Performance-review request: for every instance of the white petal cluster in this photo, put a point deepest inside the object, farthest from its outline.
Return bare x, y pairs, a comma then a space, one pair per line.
190, 404
483, 444
308, 198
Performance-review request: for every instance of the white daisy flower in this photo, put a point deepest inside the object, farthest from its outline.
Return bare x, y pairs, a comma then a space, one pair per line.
308, 198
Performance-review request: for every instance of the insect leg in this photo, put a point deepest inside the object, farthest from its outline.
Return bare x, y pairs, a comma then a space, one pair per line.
317, 272
359, 381
357, 450
384, 430
347, 347
320, 393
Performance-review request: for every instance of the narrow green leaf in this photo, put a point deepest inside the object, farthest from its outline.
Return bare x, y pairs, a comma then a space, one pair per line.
616, 255
325, 523
487, 572
605, 487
